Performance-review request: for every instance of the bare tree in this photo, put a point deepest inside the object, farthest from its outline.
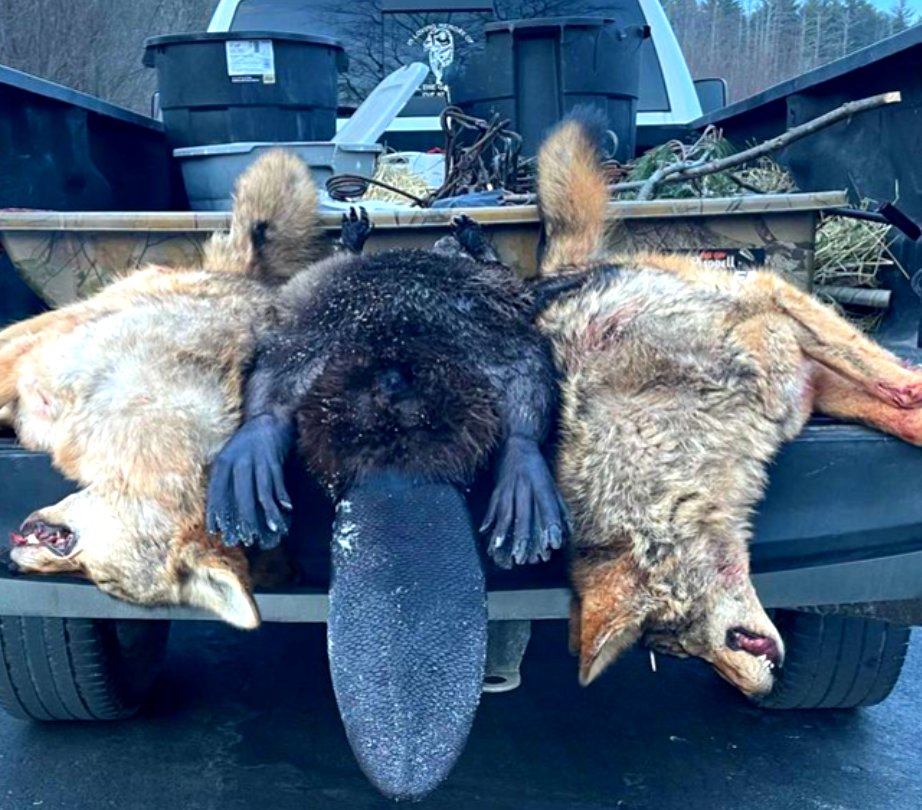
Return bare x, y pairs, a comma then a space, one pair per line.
94, 45
762, 42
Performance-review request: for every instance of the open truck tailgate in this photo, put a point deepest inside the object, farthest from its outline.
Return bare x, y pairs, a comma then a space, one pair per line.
841, 524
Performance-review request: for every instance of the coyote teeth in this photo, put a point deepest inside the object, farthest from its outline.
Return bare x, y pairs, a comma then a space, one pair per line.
769, 665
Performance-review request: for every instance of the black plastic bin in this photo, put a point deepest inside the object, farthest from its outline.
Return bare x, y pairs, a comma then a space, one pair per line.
246, 86
68, 151
533, 71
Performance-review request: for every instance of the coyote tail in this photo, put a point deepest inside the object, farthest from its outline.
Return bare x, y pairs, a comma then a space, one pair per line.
572, 191
274, 228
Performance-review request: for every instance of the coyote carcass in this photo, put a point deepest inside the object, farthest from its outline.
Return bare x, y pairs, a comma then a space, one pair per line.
135, 390
680, 384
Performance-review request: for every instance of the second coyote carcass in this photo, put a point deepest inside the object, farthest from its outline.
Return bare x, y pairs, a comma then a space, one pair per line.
679, 386
134, 391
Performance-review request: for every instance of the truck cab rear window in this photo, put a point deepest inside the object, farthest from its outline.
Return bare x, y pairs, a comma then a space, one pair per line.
378, 42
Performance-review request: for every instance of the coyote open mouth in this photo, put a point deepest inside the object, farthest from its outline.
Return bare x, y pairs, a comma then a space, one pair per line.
739, 638
60, 540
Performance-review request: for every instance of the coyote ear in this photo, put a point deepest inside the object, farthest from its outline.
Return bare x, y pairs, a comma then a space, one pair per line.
598, 650
223, 592
606, 615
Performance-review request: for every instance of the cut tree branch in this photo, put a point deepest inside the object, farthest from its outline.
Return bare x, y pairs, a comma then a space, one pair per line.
687, 170
692, 169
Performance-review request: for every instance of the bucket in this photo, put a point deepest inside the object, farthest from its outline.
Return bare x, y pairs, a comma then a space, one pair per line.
209, 172
246, 86
534, 71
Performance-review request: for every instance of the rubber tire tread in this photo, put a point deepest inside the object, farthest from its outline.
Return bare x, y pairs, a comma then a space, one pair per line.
76, 669
836, 662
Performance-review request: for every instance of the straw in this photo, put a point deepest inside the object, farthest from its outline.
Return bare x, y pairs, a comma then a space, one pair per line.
394, 170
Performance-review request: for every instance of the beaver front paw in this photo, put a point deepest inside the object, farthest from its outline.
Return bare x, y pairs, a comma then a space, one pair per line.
525, 505
356, 228
247, 499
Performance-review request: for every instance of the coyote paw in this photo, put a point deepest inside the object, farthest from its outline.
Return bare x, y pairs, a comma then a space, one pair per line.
902, 396
247, 500
526, 502
356, 229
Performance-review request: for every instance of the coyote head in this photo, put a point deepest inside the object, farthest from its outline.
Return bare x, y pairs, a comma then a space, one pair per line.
716, 616
137, 555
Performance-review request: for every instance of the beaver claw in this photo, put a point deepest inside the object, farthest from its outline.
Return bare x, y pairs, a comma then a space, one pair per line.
525, 501
472, 239
247, 499
356, 228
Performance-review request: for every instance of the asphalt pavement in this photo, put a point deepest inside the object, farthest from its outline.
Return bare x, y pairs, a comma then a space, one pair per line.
248, 721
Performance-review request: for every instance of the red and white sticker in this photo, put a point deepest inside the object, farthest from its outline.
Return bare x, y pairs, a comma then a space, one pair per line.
736, 260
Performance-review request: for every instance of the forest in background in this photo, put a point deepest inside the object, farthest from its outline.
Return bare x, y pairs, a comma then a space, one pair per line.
96, 45
757, 43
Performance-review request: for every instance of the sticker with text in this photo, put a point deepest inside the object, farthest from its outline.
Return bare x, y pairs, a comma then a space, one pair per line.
250, 60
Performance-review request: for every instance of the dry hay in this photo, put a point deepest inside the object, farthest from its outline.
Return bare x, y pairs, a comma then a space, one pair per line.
851, 253
765, 177
395, 171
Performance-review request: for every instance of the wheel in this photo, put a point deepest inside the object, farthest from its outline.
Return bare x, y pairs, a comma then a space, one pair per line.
836, 662
78, 669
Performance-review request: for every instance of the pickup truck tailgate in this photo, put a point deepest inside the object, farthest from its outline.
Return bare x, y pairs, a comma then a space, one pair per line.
841, 523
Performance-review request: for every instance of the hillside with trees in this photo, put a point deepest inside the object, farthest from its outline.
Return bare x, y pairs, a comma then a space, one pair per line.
758, 43
94, 45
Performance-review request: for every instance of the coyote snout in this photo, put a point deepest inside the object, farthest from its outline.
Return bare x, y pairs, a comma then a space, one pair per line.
711, 612
731, 632
38, 545
139, 553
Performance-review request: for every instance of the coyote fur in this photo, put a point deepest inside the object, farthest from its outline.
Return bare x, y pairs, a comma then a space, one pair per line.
679, 386
134, 390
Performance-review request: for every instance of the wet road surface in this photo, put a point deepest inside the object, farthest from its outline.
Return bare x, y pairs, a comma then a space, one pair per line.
248, 721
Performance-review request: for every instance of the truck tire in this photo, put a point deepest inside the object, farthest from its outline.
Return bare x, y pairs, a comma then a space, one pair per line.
78, 669
836, 662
